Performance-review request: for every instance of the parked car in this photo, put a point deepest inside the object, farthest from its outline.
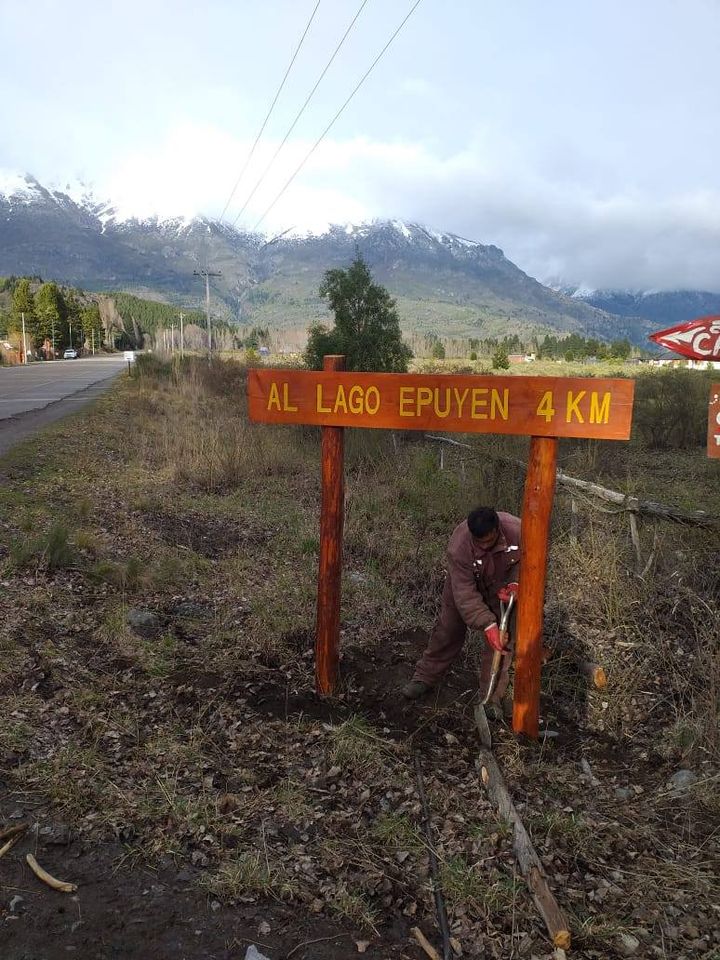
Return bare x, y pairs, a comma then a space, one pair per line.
70, 354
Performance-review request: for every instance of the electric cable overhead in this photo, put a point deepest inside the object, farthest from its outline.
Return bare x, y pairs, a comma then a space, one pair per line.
337, 115
272, 107
300, 112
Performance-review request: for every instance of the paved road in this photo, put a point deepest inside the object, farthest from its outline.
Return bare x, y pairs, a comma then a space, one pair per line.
37, 394
35, 385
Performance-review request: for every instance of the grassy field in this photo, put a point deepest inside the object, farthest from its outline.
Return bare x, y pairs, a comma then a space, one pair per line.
158, 561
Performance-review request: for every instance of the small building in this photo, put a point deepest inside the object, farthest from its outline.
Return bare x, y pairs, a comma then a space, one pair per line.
703, 364
521, 357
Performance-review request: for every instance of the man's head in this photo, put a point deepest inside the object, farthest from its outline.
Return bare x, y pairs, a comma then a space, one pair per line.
484, 525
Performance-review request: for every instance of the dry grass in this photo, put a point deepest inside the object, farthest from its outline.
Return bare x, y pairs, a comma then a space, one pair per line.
188, 743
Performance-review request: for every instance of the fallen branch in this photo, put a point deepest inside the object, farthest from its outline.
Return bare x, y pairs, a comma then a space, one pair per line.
13, 831
43, 875
525, 854
307, 943
698, 518
434, 872
425, 943
9, 845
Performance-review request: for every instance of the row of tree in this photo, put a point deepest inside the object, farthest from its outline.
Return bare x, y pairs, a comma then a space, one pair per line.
51, 318
150, 316
367, 332
55, 317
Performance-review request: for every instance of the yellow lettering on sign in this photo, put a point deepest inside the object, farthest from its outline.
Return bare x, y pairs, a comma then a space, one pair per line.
319, 408
572, 408
406, 398
545, 408
274, 398
499, 406
373, 406
460, 399
599, 412
340, 403
287, 406
445, 412
355, 399
424, 399
477, 400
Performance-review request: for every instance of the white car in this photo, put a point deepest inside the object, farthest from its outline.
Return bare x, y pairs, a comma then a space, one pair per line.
70, 354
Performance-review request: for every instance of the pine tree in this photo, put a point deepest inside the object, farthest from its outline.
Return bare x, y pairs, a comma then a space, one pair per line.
74, 319
23, 304
500, 360
50, 316
92, 326
367, 326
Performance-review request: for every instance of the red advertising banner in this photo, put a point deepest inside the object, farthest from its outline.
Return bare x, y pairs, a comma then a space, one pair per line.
533, 406
697, 339
713, 437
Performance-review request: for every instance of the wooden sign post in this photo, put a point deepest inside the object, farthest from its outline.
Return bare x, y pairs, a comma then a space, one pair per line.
536, 515
332, 514
543, 408
713, 436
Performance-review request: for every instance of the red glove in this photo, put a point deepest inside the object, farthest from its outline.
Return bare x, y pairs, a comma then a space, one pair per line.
492, 633
509, 590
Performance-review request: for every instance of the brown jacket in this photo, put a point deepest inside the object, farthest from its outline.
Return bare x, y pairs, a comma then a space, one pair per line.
476, 574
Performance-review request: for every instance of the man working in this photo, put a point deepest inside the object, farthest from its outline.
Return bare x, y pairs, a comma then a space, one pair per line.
482, 569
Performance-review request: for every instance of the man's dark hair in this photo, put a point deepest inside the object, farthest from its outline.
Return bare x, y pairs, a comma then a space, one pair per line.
482, 521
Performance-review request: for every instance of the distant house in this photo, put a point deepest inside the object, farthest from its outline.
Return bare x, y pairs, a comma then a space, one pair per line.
521, 357
703, 364
666, 359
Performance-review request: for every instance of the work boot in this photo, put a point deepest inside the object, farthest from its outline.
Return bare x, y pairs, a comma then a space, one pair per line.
415, 689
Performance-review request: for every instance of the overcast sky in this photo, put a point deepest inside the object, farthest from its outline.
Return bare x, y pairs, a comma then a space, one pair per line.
581, 136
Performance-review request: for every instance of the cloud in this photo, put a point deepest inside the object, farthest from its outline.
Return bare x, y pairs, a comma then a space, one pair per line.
556, 227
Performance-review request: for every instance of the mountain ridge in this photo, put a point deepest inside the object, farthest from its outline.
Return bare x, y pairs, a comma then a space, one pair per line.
444, 284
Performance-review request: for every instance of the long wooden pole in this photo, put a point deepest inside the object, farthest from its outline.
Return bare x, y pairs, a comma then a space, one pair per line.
327, 638
527, 858
537, 509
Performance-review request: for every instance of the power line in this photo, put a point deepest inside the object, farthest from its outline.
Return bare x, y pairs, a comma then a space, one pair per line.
337, 115
267, 116
301, 111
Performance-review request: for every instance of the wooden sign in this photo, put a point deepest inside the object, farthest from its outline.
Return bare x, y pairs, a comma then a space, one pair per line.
535, 406
713, 436
544, 408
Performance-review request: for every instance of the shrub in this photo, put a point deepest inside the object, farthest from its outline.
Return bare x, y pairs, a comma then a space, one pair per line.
671, 409
500, 360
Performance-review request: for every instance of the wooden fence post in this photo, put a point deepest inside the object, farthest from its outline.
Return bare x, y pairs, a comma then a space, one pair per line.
327, 637
537, 509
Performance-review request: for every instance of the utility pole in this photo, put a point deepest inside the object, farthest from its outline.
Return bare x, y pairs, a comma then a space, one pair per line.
182, 338
172, 337
207, 274
92, 335
24, 340
70, 325
53, 337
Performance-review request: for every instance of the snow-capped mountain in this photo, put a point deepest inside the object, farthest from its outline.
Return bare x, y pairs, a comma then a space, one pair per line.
444, 283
